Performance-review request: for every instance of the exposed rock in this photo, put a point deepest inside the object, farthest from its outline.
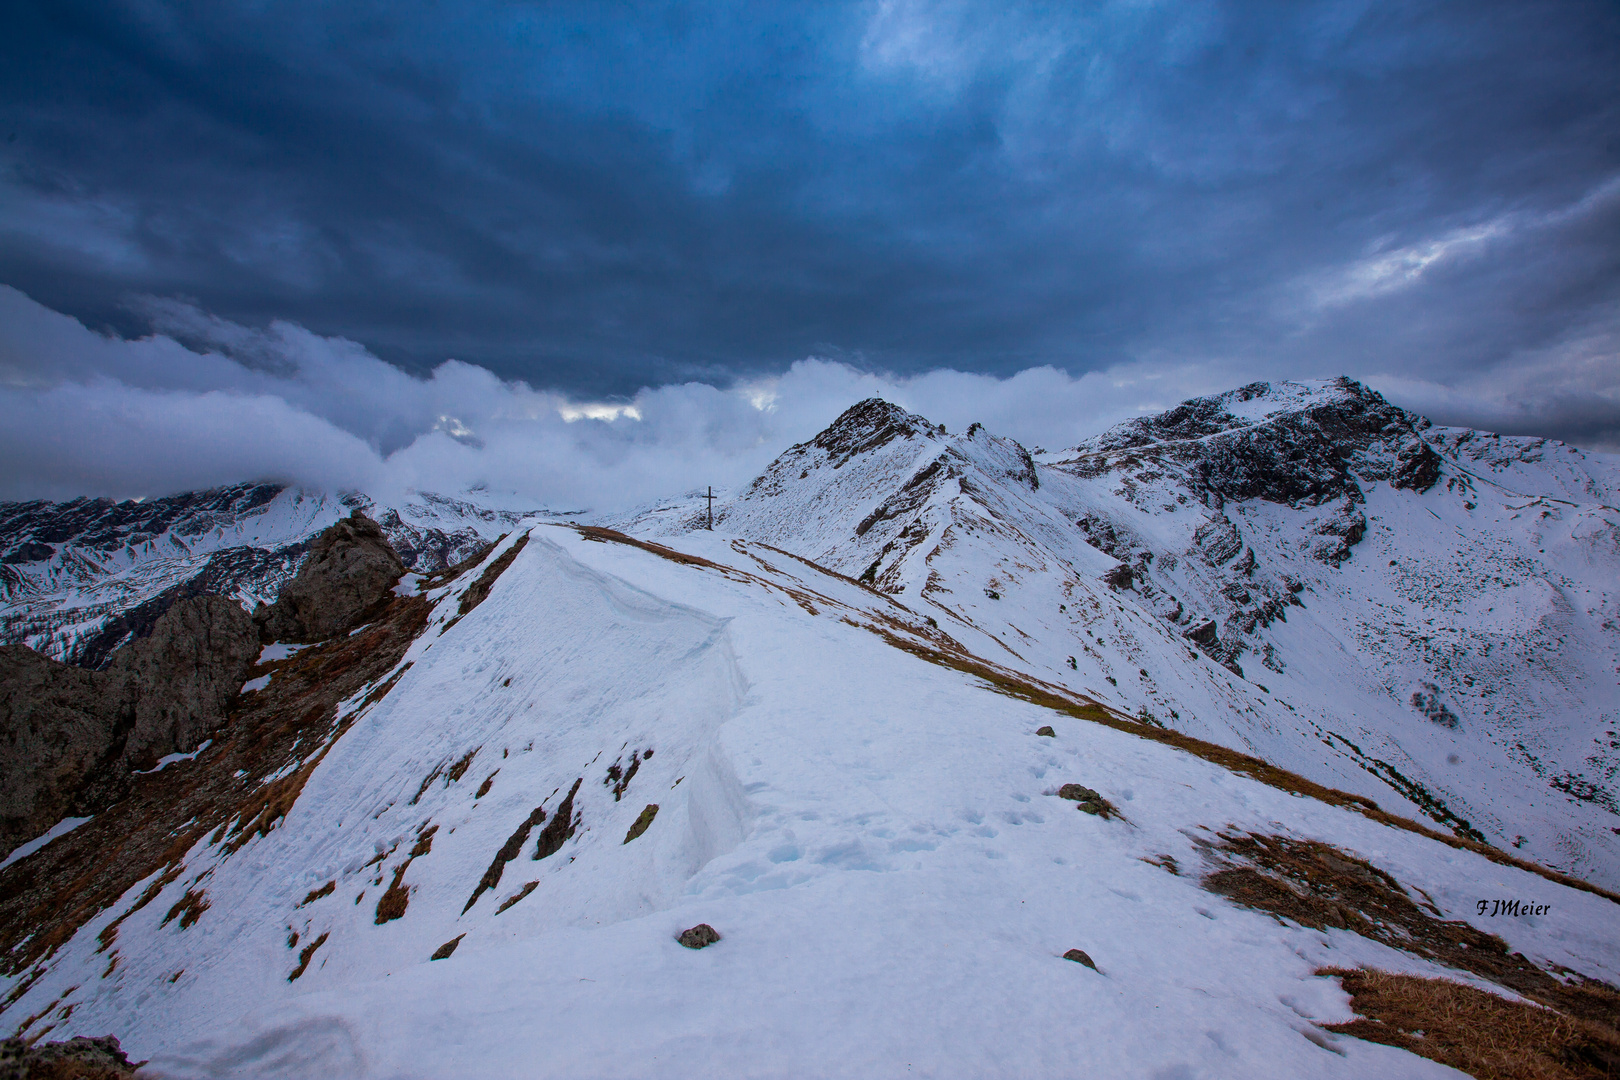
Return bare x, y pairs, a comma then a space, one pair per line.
1079, 956
69, 737
642, 822
180, 679
79, 1058
55, 729
1047, 731
700, 936
1088, 800
1204, 633
1306, 455
1426, 700
867, 425
443, 951
1119, 577
351, 568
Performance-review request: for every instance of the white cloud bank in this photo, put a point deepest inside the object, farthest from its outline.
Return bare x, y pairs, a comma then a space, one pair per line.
85, 414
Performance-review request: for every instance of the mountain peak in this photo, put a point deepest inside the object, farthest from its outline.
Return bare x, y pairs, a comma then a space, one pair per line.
869, 424
1281, 442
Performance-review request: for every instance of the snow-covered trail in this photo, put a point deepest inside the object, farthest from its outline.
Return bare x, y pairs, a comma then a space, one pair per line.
871, 834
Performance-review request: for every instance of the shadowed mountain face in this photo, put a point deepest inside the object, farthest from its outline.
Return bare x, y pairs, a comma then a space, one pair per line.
80, 579
70, 739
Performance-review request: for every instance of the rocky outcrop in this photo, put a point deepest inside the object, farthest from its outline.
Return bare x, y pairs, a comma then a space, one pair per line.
867, 425
1307, 454
70, 737
79, 1058
179, 680
350, 569
56, 729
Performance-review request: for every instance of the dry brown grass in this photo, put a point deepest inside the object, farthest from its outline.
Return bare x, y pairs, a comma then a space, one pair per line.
1318, 885
1479, 1033
478, 591
188, 908
305, 955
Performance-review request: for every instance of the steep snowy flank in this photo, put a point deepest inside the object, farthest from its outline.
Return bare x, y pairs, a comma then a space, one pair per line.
463, 841
1303, 571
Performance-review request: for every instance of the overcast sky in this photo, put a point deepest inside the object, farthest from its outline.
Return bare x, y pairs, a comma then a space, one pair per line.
583, 203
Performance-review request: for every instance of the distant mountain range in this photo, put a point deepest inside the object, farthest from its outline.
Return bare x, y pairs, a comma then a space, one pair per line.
986, 759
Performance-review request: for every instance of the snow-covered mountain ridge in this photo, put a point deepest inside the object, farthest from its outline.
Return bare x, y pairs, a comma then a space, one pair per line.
1423, 616
853, 729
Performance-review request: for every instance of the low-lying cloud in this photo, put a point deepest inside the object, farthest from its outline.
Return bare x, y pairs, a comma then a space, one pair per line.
203, 401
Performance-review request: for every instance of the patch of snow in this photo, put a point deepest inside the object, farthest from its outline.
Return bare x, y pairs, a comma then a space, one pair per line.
61, 828
409, 585
172, 759
255, 684
278, 651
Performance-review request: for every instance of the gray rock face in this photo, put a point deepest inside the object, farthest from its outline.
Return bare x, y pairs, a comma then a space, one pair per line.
69, 737
55, 730
176, 683
350, 568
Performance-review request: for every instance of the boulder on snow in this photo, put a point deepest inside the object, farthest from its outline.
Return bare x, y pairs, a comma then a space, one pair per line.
1079, 956
69, 737
351, 567
700, 936
1047, 731
79, 1058
1088, 800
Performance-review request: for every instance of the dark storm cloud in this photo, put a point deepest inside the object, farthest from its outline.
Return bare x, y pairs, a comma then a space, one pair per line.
598, 197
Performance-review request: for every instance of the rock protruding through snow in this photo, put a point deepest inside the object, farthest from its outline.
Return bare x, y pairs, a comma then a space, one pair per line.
350, 569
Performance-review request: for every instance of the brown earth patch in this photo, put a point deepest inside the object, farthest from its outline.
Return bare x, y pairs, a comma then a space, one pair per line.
1318, 885
508, 851
478, 591
188, 908
316, 894
561, 826
305, 955
1474, 1031
395, 898
528, 888
290, 724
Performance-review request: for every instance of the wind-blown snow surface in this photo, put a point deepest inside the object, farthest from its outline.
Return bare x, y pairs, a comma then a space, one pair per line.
1427, 617
871, 834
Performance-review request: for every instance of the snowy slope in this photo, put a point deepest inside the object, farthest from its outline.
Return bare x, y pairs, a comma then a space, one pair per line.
1427, 617
872, 831
78, 578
